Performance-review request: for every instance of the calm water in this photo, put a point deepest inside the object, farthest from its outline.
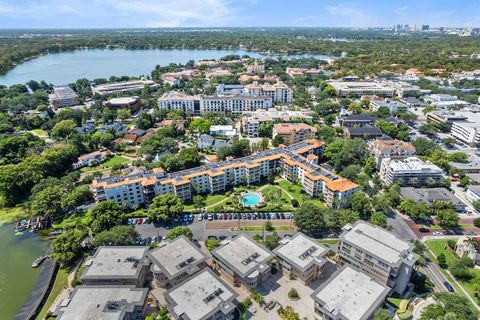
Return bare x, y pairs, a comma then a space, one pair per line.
67, 67
17, 277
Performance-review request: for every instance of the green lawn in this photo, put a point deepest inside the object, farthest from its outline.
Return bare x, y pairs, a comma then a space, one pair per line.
328, 241
114, 161
39, 132
441, 246
61, 281
80, 217
394, 301
210, 199
298, 194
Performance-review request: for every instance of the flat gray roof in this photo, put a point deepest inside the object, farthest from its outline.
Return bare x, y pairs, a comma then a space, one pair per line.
101, 302
428, 195
200, 296
379, 242
176, 257
116, 263
301, 251
350, 294
242, 255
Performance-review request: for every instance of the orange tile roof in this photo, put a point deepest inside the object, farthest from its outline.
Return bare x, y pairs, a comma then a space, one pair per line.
341, 185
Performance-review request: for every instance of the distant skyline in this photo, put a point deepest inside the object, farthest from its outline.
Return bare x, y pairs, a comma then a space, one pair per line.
235, 13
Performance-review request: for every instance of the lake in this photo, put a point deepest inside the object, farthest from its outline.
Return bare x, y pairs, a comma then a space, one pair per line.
17, 277
67, 67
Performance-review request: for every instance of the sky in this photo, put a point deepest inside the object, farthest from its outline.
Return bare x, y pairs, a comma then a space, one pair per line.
235, 13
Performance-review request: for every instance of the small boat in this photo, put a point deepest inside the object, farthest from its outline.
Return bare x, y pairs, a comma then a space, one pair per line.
38, 261
20, 228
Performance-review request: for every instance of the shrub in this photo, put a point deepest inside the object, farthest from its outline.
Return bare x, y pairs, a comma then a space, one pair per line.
257, 297
293, 294
451, 243
442, 261
476, 222
268, 225
294, 203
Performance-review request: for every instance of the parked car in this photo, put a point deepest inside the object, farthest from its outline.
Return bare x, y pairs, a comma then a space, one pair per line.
471, 233
264, 216
212, 237
222, 237
139, 221
145, 220
249, 216
287, 215
129, 221
437, 233
200, 217
190, 217
423, 229
235, 216
185, 218
230, 216
210, 217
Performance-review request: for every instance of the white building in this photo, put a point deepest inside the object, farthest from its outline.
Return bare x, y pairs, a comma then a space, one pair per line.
361, 88
255, 68
404, 88
234, 104
178, 101
229, 89
466, 132
243, 261
120, 87
302, 258
379, 253
225, 130
203, 297
349, 295
278, 92
444, 100
251, 121
63, 96
391, 105
408, 171
473, 192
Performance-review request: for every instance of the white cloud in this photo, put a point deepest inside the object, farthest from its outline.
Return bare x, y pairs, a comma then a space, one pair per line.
352, 16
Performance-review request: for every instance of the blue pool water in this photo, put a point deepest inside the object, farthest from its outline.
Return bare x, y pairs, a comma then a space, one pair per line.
251, 199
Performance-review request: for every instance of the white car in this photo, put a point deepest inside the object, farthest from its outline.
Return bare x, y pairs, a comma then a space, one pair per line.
437, 233
200, 217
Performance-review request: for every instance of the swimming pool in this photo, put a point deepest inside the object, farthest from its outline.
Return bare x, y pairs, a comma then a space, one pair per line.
251, 199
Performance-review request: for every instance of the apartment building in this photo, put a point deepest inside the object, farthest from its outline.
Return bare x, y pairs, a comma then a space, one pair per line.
337, 192
175, 261
243, 262
174, 100
255, 68
196, 105
429, 196
466, 132
223, 130
408, 171
360, 88
125, 86
378, 253
390, 149
444, 117
294, 132
301, 258
203, 297
278, 92
116, 266
63, 96
229, 89
103, 302
301, 72
234, 104
349, 295
404, 89
251, 121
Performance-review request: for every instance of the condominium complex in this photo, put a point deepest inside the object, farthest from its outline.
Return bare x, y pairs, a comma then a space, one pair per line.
294, 132
444, 100
379, 253
103, 302
120, 87
278, 92
117, 266
294, 163
203, 297
355, 120
409, 171
301, 258
63, 96
349, 295
196, 105
445, 118
243, 261
176, 260
466, 132
337, 192
386, 149
251, 121
360, 88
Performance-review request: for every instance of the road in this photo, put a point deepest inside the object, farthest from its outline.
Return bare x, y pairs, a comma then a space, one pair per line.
401, 228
